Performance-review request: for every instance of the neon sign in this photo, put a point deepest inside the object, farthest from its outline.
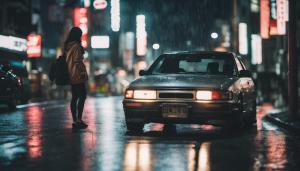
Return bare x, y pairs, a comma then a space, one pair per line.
34, 45
13, 43
81, 21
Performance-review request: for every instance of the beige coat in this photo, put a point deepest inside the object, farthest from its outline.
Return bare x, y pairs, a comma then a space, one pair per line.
76, 67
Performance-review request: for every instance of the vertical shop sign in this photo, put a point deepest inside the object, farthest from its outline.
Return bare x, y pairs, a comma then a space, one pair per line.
243, 39
264, 18
81, 21
141, 36
34, 47
281, 17
256, 47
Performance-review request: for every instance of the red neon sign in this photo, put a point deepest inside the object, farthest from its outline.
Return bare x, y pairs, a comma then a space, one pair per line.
81, 21
273, 27
34, 45
264, 18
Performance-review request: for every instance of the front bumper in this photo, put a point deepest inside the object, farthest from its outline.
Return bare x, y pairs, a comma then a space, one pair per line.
199, 112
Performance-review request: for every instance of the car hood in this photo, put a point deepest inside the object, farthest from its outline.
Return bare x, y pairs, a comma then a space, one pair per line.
179, 81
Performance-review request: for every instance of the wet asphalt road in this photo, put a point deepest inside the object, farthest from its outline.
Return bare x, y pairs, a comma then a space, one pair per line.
40, 137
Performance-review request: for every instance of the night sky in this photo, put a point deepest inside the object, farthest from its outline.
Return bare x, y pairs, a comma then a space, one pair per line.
173, 22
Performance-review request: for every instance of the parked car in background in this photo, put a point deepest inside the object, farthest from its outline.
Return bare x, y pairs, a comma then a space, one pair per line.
192, 87
20, 71
9, 87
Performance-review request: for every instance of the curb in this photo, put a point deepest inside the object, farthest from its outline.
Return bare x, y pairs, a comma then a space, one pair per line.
285, 125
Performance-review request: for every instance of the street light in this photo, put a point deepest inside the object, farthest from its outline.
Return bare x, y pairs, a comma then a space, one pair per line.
155, 46
214, 35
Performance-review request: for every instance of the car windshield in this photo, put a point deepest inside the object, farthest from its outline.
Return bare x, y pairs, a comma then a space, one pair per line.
212, 64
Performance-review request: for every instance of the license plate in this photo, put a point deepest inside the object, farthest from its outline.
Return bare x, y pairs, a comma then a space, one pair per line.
174, 110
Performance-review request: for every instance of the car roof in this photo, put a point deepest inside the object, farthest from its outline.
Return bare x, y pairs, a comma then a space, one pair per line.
198, 52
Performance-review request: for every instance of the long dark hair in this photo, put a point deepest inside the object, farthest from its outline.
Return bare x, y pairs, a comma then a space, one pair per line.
74, 36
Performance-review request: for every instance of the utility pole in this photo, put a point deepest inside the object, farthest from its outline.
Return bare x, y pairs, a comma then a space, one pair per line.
292, 62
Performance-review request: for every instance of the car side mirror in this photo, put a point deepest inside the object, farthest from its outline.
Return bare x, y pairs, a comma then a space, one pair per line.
245, 73
142, 72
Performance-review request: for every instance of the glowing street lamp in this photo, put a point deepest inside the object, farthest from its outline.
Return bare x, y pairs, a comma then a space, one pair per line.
155, 46
214, 35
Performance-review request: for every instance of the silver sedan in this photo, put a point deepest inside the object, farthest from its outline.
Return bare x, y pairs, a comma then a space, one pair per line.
192, 87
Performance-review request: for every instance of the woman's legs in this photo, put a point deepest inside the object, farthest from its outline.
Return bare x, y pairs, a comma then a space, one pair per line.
77, 102
73, 104
81, 101
73, 108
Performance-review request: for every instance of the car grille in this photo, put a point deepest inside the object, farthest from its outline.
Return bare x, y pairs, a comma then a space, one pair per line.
176, 95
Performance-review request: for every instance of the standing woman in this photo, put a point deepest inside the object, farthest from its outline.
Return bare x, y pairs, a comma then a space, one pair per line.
78, 75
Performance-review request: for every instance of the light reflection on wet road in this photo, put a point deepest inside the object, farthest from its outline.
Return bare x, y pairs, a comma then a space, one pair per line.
40, 138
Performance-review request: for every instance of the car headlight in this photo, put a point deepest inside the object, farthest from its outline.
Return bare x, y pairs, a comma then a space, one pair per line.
129, 94
213, 95
140, 94
144, 94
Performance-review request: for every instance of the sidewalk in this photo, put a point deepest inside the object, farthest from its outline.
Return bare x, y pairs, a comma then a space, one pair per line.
280, 118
